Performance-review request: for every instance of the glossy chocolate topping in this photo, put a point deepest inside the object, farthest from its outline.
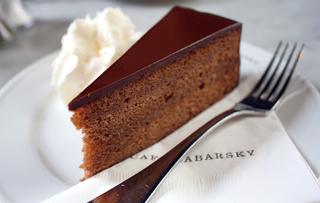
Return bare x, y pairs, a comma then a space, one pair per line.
180, 31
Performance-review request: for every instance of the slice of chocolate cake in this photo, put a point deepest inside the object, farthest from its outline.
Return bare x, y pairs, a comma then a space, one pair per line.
188, 61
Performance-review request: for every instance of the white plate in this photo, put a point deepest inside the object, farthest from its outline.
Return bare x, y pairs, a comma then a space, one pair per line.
40, 150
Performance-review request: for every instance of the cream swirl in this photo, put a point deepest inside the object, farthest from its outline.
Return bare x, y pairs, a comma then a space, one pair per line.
89, 47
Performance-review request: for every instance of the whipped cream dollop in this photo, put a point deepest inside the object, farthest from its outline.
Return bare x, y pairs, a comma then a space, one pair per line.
89, 47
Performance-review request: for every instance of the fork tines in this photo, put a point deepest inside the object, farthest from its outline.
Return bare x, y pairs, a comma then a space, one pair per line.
278, 73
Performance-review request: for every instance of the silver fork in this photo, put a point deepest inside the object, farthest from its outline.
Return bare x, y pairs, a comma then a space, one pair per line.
262, 100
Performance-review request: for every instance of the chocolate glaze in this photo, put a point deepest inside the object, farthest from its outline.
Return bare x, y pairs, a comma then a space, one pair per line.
180, 31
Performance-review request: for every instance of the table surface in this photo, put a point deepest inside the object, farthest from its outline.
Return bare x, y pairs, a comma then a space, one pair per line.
265, 22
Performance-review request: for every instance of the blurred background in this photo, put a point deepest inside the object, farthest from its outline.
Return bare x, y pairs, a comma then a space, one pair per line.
34, 27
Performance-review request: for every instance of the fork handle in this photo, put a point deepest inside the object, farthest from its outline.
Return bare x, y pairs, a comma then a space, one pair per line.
139, 187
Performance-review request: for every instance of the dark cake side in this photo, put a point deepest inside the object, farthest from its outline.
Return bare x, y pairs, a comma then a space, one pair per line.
144, 111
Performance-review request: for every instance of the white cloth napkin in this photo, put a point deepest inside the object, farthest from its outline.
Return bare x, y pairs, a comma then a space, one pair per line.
248, 159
